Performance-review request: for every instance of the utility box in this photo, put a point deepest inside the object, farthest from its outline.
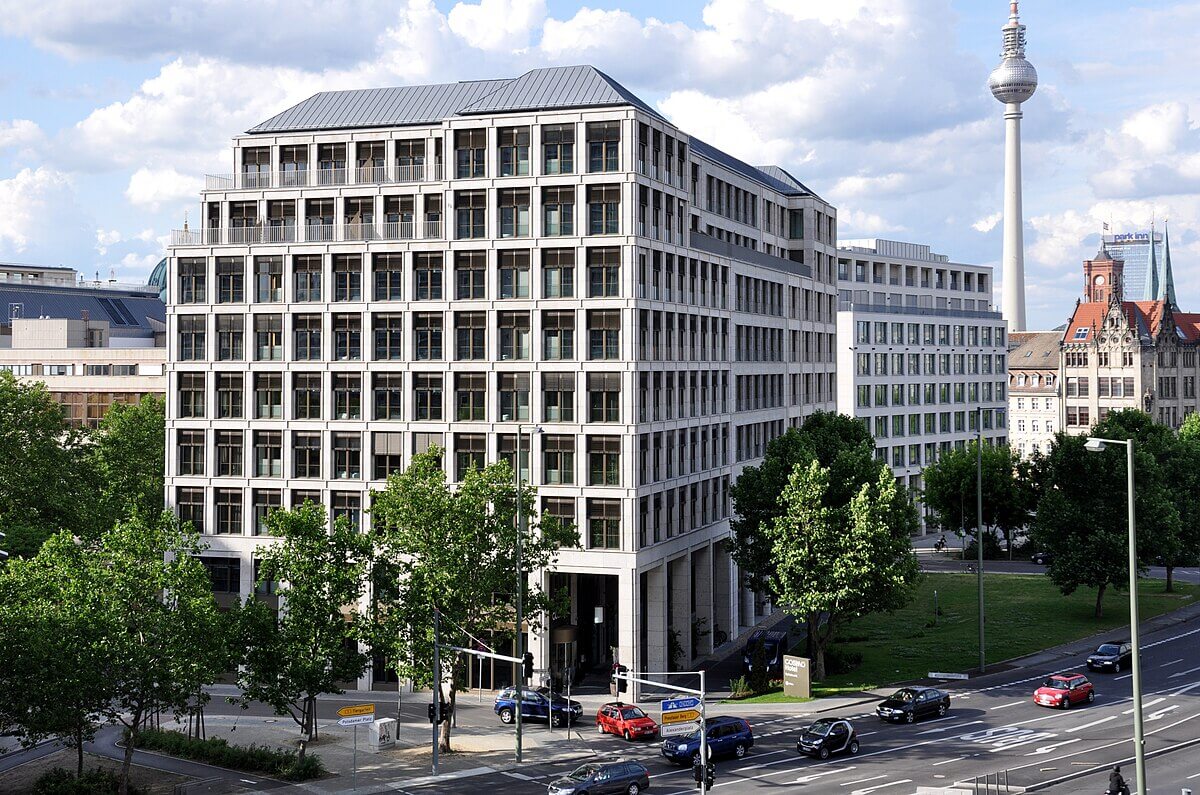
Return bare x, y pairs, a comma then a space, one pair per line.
382, 734
796, 677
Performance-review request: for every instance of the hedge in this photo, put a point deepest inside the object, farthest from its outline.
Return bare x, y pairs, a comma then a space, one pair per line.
248, 759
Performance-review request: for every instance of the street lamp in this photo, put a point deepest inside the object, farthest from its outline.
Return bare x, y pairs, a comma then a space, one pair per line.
1096, 445
979, 526
519, 638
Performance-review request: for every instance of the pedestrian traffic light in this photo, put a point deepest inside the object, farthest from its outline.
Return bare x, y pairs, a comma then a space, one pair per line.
698, 771
527, 665
622, 684
710, 776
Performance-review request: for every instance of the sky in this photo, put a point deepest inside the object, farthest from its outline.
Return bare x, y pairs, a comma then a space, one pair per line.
112, 112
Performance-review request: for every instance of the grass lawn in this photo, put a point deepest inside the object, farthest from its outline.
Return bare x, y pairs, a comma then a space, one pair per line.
1024, 614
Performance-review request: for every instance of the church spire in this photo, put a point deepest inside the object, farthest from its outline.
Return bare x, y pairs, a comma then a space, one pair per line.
1150, 292
1167, 291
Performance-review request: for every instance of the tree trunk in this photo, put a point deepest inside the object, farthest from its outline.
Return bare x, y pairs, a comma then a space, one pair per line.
79, 751
446, 714
314, 733
1170, 579
130, 743
1100, 600
818, 647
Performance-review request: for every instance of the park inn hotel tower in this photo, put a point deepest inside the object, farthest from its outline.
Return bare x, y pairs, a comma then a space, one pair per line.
542, 264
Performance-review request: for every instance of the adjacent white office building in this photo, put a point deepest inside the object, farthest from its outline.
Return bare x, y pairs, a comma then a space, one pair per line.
456, 265
1035, 408
921, 352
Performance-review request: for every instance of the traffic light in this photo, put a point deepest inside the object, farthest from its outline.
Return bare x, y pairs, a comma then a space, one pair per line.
527, 666
622, 684
710, 776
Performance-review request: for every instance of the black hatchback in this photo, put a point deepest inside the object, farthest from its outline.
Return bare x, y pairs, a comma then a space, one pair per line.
912, 703
827, 737
603, 778
1111, 656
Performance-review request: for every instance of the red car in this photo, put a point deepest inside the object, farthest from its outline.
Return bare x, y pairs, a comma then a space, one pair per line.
626, 720
1063, 690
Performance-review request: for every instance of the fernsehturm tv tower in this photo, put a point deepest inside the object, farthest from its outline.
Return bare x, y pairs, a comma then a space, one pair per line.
1013, 82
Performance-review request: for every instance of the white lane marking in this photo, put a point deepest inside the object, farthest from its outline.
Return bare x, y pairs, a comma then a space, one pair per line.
866, 790
862, 780
519, 776
1045, 749
947, 761
1093, 723
946, 728
1006, 706
866, 734
1149, 703
815, 776
1122, 676
1169, 664
1184, 673
1162, 712
1194, 775
1183, 690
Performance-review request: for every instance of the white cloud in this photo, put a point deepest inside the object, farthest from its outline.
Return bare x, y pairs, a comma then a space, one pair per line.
988, 222
106, 238
151, 188
853, 222
19, 133
492, 25
39, 213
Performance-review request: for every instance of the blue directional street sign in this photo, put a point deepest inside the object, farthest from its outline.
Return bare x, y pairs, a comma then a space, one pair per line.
675, 704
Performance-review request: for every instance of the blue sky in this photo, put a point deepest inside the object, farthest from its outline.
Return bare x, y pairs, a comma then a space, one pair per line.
111, 113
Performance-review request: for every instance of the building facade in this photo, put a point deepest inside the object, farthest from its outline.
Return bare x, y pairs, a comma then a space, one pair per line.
922, 354
1034, 410
541, 263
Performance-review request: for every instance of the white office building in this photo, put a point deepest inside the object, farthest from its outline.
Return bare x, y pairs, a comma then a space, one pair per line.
921, 351
390, 269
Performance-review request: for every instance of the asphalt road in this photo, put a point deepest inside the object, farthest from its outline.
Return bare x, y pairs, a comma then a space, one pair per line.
993, 726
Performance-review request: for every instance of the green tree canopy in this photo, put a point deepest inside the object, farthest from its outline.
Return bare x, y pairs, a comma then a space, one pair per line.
127, 458
950, 491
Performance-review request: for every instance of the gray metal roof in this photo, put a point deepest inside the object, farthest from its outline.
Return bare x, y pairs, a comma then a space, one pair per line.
788, 188
129, 314
784, 176
558, 87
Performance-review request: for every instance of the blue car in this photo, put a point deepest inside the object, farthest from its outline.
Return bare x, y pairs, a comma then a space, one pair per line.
726, 737
536, 706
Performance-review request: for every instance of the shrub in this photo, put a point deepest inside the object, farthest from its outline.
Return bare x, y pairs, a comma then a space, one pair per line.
739, 686
250, 759
839, 660
93, 782
759, 678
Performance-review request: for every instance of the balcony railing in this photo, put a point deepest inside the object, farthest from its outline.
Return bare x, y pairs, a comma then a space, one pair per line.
316, 177
308, 233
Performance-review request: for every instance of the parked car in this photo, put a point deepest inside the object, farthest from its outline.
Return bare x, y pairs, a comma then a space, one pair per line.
536, 706
1041, 558
774, 646
912, 703
727, 736
602, 778
1110, 656
828, 736
1063, 690
625, 720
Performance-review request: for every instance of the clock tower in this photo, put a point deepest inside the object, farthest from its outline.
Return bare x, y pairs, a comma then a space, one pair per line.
1102, 277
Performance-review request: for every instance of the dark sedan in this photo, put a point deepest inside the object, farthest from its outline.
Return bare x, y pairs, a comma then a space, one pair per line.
1111, 656
603, 778
913, 703
1041, 558
827, 737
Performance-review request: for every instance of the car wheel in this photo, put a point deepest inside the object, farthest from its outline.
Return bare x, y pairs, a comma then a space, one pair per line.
506, 715
560, 720
909, 716
1116, 668
853, 747
626, 735
634, 788
941, 710
823, 753
739, 750
600, 729
1066, 702
1091, 696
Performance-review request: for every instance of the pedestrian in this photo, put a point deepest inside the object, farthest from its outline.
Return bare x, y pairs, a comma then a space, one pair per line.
1116, 782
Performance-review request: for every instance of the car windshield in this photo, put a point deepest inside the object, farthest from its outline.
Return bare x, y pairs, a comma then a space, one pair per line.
1056, 683
632, 713
904, 695
1108, 648
583, 772
821, 728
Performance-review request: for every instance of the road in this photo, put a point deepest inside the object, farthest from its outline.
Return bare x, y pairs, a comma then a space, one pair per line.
993, 726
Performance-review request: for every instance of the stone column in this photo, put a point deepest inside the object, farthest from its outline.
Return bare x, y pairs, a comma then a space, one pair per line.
680, 596
723, 602
656, 619
702, 589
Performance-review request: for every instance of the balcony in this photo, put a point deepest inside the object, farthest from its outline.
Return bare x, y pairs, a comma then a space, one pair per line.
313, 232
304, 178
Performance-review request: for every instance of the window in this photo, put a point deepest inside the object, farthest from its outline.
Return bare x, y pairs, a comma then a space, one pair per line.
306, 455
224, 573
228, 504
558, 273
604, 460
268, 279
190, 453
388, 452
230, 337
268, 337
230, 454
191, 395
230, 401
266, 501
604, 524
558, 148
469, 335
514, 335
603, 142
389, 337
306, 333
189, 504
191, 337
347, 337
306, 396
469, 154
514, 273
514, 397
558, 211
558, 397
427, 335
604, 206
427, 269
389, 396
470, 396
604, 397
192, 280
506, 447
470, 214
514, 212
389, 276
268, 454
427, 388
604, 334
1081, 333
347, 277
347, 456
268, 396
469, 450
306, 277
558, 335
604, 270
231, 280
470, 268
348, 505
347, 396
558, 460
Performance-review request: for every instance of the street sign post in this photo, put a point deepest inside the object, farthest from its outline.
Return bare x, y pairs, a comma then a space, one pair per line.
357, 720
680, 716
356, 715
679, 729
357, 709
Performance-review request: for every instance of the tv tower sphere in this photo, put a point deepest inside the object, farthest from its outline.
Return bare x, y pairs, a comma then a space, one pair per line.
1015, 79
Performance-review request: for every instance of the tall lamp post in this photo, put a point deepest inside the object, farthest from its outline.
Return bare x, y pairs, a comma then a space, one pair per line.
519, 642
979, 525
1095, 445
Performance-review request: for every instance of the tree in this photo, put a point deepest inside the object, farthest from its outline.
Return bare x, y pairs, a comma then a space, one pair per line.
837, 442
453, 551
951, 490
1184, 475
43, 488
309, 646
127, 456
1082, 512
835, 562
